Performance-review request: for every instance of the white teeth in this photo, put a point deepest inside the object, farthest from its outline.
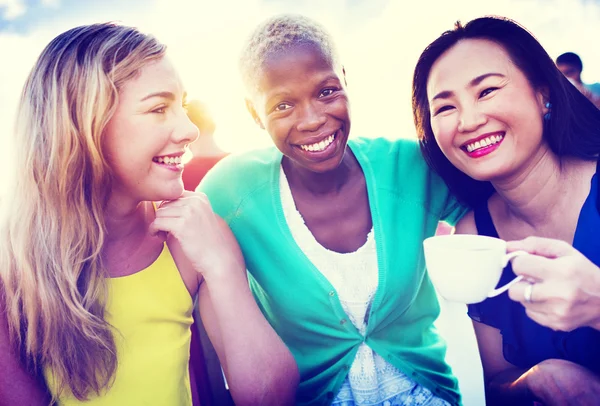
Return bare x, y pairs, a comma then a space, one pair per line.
484, 142
319, 146
169, 160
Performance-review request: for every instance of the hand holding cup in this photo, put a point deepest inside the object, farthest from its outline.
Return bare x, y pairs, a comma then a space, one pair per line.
566, 294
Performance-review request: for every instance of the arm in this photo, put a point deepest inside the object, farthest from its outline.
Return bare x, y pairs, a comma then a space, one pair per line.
553, 382
17, 385
505, 384
259, 368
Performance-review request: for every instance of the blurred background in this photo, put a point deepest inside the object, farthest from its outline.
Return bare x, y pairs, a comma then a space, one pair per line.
379, 41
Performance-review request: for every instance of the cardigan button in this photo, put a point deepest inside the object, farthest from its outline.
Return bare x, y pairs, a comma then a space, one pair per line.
332, 293
343, 321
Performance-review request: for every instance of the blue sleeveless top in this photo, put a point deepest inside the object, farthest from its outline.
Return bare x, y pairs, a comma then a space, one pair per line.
526, 343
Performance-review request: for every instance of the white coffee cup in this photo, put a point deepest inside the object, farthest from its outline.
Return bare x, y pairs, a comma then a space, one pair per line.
466, 268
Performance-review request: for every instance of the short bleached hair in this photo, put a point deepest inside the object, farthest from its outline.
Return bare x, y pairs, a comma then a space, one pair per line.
277, 34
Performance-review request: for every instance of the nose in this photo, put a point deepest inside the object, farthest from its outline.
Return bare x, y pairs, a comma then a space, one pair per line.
470, 119
312, 117
186, 132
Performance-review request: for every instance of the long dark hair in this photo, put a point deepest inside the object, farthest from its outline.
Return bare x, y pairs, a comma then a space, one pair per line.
574, 125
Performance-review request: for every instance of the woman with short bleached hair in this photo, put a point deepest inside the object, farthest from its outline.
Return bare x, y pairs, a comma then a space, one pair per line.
332, 227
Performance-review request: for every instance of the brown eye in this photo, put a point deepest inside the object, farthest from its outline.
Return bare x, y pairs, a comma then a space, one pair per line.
326, 92
487, 91
442, 109
282, 106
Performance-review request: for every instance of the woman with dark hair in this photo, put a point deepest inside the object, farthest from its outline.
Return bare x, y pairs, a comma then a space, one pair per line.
520, 144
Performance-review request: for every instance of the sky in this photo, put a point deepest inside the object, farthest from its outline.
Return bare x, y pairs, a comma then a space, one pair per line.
379, 41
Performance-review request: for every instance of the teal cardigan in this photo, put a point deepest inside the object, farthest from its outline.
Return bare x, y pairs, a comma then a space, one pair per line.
407, 200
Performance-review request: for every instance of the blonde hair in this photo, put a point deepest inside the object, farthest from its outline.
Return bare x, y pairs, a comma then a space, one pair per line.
53, 229
280, 33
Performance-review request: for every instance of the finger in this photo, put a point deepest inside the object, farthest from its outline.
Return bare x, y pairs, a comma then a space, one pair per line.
162, 224
539, 317
533, 267
551, 321
517, 291
170, 211
546, 247
199, 199
542, 292
539, 293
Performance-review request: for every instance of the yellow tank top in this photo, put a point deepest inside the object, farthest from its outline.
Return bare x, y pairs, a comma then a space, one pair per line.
151, 311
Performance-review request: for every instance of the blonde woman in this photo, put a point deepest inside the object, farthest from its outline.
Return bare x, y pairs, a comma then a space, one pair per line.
102, 252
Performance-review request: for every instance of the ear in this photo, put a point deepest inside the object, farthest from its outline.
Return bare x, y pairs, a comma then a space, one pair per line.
253, 113
543, 95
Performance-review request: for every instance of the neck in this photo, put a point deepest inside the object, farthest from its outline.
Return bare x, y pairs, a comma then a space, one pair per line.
321, 183
539, 191
124, 220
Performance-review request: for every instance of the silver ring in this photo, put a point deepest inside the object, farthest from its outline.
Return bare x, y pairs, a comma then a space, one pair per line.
528, 292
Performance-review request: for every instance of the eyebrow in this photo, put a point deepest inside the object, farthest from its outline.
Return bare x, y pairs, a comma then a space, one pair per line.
285, 93
164, 95
474, 82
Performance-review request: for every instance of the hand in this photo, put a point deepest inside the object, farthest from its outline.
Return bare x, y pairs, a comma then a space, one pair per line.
566, 292
197, 232
560, 382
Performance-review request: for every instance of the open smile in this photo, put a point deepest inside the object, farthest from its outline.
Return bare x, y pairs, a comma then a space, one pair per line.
319, 146
483, 145
170, 161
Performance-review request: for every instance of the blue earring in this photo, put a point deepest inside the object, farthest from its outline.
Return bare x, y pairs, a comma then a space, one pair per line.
547, 115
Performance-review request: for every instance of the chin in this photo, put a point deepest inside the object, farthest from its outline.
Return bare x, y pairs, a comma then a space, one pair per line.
172, 192
483, 177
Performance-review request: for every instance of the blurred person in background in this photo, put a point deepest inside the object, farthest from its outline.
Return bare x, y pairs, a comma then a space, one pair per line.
571, 66
206, 152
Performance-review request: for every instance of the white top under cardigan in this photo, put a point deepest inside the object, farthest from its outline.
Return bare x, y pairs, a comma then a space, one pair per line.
371, 380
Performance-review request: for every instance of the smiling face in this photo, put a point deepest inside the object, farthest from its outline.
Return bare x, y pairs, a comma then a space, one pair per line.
148, 134
302, 103
485, 115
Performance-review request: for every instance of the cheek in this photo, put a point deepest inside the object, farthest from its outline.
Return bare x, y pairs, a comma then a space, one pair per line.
116, 134
444, 129
278, 129
342, 107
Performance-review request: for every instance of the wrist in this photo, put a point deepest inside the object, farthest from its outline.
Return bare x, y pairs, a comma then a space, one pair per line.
223, 272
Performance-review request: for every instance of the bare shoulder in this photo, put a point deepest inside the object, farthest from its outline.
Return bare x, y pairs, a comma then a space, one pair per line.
466, 225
